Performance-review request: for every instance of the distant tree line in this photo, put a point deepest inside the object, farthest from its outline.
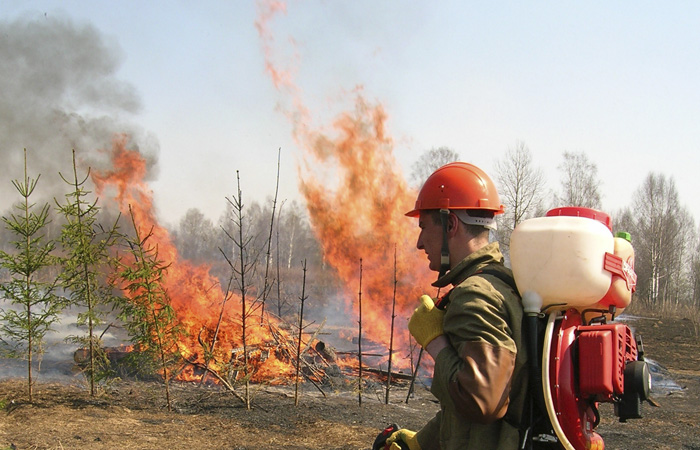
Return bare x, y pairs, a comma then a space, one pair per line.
664, 234
52, 258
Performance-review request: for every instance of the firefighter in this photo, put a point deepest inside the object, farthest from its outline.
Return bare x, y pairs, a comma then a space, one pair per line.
474, 332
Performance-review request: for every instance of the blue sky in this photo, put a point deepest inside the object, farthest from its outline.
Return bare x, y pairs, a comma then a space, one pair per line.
615, 80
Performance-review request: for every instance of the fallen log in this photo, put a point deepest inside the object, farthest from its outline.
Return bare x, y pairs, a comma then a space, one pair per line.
394, 375
115, 354
328, 353
363, 354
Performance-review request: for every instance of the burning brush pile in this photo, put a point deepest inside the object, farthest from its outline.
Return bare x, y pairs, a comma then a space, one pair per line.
278, 362
226, 337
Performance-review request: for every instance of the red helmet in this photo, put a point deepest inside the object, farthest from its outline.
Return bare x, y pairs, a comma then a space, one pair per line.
458, 185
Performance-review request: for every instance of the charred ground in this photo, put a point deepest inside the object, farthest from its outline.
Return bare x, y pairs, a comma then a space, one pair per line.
132, 414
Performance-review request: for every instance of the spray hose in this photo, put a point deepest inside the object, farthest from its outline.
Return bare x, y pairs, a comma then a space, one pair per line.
549, 402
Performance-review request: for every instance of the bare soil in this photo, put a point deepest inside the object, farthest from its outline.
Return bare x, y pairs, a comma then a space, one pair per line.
132, 414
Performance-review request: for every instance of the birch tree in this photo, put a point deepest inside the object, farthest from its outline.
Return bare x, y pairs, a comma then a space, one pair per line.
579, 182
521, 187
663, 233
695, 271
195, 237
429, 161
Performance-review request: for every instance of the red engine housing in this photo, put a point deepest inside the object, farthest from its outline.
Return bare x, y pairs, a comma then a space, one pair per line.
586, 366
603, 353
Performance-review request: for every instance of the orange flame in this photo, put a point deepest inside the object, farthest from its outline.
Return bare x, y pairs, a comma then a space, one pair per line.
195, 295
360, 213
362, 218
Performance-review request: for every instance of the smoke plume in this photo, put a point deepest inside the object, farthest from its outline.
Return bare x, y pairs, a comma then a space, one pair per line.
60, 92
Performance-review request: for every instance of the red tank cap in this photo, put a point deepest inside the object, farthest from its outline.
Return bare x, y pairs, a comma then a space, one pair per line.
579, 211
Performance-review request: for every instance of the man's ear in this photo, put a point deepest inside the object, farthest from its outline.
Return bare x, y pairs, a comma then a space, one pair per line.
452, 223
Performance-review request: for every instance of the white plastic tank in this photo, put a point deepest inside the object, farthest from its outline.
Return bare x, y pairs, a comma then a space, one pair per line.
561, 256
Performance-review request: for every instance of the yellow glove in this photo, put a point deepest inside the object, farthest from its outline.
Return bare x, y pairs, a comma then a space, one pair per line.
407, 437
426, 321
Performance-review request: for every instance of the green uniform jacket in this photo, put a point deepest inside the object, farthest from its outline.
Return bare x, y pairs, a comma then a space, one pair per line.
481, 378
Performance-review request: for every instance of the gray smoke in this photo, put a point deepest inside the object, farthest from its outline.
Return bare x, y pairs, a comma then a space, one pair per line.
58, 92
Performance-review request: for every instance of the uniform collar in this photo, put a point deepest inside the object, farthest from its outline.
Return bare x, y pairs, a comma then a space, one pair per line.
487, 254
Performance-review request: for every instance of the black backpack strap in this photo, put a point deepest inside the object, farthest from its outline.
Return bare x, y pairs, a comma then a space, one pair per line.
442, 302
506, 278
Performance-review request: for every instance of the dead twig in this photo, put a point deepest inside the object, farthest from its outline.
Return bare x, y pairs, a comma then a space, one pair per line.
391, 333
223, 382
415, 374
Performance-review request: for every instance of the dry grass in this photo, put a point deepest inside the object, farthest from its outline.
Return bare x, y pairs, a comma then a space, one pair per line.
132, 415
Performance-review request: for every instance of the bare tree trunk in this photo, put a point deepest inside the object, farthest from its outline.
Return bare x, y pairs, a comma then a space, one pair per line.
209, 355
266, 286
415, 374
391, 335
301, 326
291, 246
244, 312
30, 342
359, 339
279, 278
163, 360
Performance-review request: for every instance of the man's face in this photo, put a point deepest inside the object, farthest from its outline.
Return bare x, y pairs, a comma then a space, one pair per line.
430, 238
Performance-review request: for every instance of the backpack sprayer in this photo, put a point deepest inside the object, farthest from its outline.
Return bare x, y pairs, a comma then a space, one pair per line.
576, 276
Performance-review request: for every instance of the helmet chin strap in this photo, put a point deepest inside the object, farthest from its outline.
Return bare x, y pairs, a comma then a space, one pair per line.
445, 252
